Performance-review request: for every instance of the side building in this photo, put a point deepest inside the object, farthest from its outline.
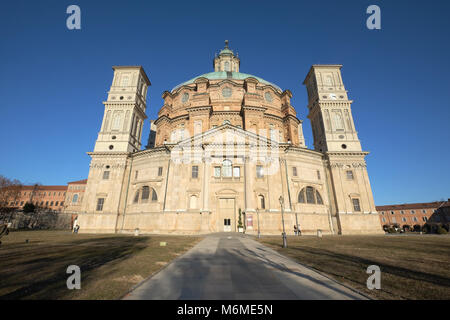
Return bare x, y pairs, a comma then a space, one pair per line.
413, 216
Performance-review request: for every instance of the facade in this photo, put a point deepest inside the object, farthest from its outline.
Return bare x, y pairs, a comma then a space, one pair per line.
408, 216
48, 197
74, 196
228, 146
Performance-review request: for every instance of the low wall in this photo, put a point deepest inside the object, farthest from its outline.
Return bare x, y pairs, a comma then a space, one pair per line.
360, 224
39, 220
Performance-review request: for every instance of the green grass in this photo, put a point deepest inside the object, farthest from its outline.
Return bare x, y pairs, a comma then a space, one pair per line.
110, 264
412, 267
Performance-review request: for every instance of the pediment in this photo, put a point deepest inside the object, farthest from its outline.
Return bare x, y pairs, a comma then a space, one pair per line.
226, 134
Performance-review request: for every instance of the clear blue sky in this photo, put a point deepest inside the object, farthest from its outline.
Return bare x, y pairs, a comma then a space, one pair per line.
53, 80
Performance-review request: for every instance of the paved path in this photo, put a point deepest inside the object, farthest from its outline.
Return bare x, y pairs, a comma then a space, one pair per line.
232, 266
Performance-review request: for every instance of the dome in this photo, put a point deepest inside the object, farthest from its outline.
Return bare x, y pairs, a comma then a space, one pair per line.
222, 75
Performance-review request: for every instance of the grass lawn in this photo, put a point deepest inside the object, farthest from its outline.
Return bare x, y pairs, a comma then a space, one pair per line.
412, 267
110, 264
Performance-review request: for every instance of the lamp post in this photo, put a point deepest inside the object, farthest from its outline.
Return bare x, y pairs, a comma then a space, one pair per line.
259, 233
282, 219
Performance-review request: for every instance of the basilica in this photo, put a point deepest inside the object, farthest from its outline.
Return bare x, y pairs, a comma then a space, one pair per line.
227, 154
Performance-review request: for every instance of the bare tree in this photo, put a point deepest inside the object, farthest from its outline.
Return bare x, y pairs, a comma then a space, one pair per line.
9, 192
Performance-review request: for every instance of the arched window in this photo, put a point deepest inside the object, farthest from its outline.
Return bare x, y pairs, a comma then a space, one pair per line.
318, 198
309, 195
301, 196
227, 66
145, 193
262, 202
136, 197
154, 195
75, 198
226, 168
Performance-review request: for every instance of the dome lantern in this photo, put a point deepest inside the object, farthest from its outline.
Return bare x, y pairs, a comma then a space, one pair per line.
226, 60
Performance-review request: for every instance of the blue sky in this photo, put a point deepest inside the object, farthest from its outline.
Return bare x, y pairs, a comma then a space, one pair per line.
53, 80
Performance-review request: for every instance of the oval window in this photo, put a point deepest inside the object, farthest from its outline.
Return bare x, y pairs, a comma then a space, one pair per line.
185, 97
268, 97
226, 92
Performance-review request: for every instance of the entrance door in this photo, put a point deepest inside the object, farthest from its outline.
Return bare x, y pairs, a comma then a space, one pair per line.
227, 225
226, 210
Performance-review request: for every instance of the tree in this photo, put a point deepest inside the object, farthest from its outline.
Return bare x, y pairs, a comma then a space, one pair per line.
240, 219
28, 207
9, 192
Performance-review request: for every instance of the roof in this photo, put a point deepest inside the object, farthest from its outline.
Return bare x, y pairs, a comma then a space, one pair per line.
39, 187
84, 181
407, 206
222, 75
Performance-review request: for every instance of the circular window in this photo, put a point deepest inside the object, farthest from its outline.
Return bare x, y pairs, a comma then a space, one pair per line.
268, 97
226, 92
185, 97
111, 147
344, 146
107, 167
121, 97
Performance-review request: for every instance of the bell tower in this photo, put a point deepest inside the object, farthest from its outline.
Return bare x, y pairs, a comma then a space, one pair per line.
124, 115
330, 110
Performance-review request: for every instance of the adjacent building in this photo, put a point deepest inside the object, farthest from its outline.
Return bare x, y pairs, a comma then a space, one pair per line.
410, 216
48, 197
74, 196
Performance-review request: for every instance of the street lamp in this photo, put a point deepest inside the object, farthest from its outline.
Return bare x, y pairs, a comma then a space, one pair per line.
282, 219
259, 233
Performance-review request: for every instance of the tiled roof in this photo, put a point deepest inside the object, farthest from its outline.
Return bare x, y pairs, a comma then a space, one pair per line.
44, 187
407, 206
84, 181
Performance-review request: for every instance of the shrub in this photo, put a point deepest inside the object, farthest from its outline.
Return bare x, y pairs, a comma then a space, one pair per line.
28, 207
441, 230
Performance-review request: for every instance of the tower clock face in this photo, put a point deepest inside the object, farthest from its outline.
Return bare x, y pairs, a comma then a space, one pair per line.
332, 96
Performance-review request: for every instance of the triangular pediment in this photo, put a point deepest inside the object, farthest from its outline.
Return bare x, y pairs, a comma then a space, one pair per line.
226, 134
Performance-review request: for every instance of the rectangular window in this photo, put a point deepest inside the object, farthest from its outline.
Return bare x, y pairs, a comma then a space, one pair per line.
415, 219
404, 219
160, 171
294, 171
56, 203
356, 206
100, 202
194, 172
259, 171
425, 219
349, 175
217, 172
46, 203
384, 219
236, 172
413, 212
136, 174
61, 204
105, 175
318, 175
51, 204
